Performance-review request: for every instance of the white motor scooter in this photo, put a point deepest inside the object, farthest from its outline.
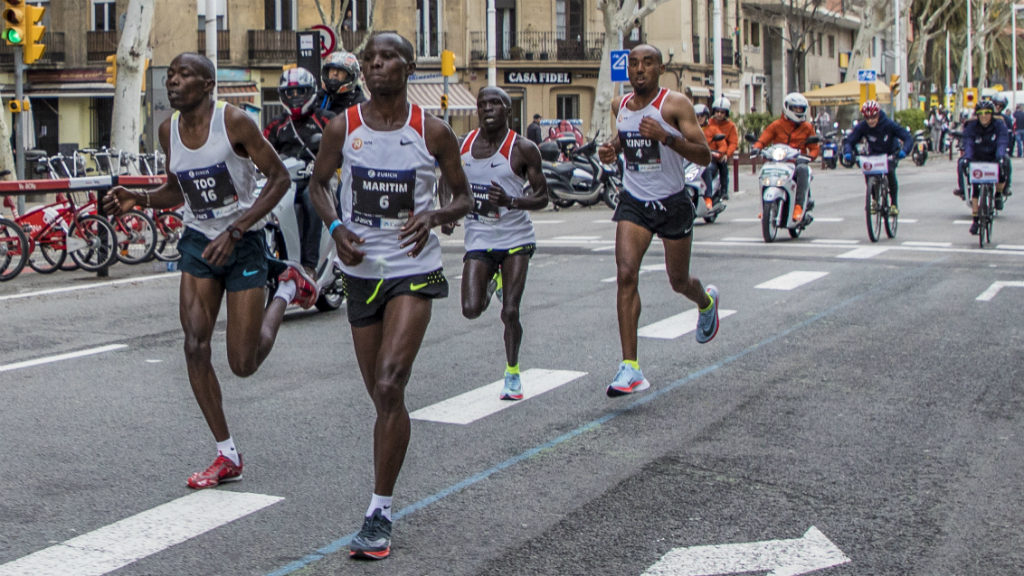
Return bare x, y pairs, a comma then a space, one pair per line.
778, 189
696, 187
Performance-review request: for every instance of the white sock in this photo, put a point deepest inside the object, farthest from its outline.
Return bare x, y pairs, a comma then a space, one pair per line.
286, 291
227, 450
382, 502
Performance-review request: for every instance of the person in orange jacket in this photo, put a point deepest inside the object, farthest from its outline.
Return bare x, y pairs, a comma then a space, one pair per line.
793, 129
704, 117
722, 150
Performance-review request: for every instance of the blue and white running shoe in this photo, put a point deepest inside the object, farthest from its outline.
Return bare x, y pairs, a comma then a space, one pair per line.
627, 381
707, 323
513, 389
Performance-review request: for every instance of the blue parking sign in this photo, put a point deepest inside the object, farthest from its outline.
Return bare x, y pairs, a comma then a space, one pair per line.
619, 59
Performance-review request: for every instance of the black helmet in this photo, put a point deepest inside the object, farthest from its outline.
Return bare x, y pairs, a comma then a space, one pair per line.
985, 105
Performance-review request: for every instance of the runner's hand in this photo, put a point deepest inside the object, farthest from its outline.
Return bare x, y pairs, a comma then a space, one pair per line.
649, 128
219, 251
496, 194
448, 228
347, 252
118, 201
606, 153
415, 232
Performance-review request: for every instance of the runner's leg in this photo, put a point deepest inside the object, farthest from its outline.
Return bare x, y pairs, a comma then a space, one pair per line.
251, 330
631, 243
198, 308
475, 276
513, 274
677, 262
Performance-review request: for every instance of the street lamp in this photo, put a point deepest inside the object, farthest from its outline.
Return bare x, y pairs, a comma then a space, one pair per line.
1013, 26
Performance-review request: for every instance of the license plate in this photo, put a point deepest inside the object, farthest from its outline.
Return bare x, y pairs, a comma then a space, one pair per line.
829, 153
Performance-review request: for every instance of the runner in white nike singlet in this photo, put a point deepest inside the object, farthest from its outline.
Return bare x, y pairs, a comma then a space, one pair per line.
657, 132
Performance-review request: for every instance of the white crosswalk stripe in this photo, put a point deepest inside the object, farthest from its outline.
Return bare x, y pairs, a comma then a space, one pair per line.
791, 281
675, 326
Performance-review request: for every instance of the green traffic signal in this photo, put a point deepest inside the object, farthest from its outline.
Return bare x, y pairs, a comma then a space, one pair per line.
13, 36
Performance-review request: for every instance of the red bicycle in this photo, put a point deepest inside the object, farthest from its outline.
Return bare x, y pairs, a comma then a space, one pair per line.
62, 228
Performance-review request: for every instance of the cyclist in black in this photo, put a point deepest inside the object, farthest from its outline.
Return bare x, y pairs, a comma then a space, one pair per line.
985, 139
884, 136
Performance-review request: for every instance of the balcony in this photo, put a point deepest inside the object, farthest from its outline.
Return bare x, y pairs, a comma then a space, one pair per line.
541, 46
53, 56
99, 44
350, 40
271, 47
223, 44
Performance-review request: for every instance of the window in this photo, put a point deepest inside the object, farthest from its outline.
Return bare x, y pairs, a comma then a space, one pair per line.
104, 15
831, 46
569, 19
506, 29
278, 14
428, 28
222, 15
568, 106
755, 34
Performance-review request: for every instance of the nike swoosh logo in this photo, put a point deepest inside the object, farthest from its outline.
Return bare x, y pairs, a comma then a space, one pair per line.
497, 165
249, 272
415, 287
514, 250
404, 143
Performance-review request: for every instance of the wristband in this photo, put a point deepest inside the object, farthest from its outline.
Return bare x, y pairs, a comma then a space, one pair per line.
335, 224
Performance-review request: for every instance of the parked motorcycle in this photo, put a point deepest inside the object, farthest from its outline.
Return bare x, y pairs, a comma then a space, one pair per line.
696, 188
778, 189
830, 150
919, 153
583, 178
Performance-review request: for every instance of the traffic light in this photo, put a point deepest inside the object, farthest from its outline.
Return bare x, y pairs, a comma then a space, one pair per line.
34, 49
444, 101
970, 97
14, 22
894, 84
447, 63
112, 70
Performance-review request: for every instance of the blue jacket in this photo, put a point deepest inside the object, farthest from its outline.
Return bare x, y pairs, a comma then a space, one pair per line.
983, 144
885, 138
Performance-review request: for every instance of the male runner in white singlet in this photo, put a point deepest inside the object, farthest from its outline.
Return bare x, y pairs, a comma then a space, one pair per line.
390, 258
499, 234
213, 150
657, 130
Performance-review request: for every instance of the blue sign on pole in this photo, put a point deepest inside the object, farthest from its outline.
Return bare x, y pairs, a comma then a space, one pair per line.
867, 75
620, 58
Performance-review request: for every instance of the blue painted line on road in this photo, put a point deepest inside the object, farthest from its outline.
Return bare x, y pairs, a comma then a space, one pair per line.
415, 507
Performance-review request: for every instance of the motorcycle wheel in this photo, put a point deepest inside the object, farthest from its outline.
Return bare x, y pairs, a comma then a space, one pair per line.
331, 296
832, 163
611, 192
769, 220
795, 232
710, 219
563, 203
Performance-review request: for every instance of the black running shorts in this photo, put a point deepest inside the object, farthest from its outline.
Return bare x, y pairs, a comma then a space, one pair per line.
670, 218
246, 268
495, 258
367, 297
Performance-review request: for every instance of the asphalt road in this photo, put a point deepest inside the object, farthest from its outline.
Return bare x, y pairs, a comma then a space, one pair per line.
879, 403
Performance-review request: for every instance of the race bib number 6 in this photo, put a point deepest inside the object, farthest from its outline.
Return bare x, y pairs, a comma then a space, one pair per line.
382, 198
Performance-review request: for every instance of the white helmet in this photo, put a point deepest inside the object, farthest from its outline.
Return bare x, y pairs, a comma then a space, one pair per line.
795, 106
701, 110
297, 90
721, 104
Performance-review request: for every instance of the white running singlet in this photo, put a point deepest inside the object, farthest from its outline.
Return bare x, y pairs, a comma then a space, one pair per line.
490, 226
218, 184
385, 178
653, 171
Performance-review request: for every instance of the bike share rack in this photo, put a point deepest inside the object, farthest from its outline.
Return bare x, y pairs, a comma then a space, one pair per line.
99, 183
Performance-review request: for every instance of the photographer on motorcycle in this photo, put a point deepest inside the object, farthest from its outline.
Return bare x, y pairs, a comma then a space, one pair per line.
793, 130
340, 79
884, 136
722, 150
985, 140
290, 134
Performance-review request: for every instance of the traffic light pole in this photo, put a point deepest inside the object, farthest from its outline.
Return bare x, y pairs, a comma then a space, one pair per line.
19, 142
446, 95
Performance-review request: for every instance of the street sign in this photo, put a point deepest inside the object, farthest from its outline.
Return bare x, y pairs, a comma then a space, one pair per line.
619, 60
328, 39
308, 49
867, 75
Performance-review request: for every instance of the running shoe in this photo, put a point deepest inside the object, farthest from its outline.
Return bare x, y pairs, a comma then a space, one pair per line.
222, 470
894, 211
999, 202
707, 323
974, 228
306, 290
498, 287
627, 381
874, 207
373, 542
513, 389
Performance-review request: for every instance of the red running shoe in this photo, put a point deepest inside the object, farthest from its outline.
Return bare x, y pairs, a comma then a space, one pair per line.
306, 290
222, 470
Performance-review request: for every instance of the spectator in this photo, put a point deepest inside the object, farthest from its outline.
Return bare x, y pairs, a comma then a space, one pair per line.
347, 23
1018, 119
533, 131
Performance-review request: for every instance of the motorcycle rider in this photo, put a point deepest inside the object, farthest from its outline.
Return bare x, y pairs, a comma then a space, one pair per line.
704, 118
793, 129
340, 78
985, 140
884, 136
1001, 102
290, 134
723, 150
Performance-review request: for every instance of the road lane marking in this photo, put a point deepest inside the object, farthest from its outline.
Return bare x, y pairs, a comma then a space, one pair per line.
484, 401
828, 219
791, 281
605, 221
577, 238
928, 244
675, 326
549, 221
994, 289
60, 357
836, 242
863, 252
746, 220
121, 543
908, 220
643, 270
742, 239
91, 286
963, 222
603, 248
1009, 247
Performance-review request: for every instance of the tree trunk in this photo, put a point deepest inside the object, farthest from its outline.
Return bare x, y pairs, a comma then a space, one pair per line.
131, 54
874, 17
6, 154
600, 118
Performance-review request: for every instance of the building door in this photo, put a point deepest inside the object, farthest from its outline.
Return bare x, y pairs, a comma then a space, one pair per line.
45, 120
515, 117
569, 22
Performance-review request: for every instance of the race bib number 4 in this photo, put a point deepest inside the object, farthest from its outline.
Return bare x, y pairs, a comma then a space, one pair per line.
382, 198
209, 191
483, 209
642, 154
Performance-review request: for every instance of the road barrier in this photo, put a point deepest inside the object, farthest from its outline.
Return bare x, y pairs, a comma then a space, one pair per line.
20, 187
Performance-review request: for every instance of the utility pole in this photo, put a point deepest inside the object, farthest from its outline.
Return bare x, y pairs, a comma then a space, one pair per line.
492, 65
19, 142
970, 49
211, 39
716, 23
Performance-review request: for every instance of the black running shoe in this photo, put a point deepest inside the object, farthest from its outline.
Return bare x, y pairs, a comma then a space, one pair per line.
374, 540
999, 202
974, 228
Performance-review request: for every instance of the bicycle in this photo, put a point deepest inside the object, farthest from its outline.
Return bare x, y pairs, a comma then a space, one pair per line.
876, 203
984, 176
61, 228
14, 249
169, 228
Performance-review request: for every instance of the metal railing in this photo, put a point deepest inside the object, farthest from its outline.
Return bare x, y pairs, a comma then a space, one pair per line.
54, 53
223, 44
99, 44
271, 46
541, 46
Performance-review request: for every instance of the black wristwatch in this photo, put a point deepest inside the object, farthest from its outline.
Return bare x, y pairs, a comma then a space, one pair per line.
235, 233
669, 140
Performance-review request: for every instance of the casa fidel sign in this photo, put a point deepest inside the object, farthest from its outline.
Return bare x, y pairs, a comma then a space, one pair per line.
537, 77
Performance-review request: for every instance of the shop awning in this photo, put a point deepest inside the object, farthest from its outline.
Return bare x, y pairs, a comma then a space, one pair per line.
67, 90
700, 92
428, 96
845, 93
237, 93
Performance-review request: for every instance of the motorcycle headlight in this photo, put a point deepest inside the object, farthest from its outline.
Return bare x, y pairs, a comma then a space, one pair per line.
691, 172
779, 154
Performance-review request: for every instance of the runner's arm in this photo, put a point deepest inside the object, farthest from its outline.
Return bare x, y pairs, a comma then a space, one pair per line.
246, 137
693, 145
328, 160
167, 195
529, 155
